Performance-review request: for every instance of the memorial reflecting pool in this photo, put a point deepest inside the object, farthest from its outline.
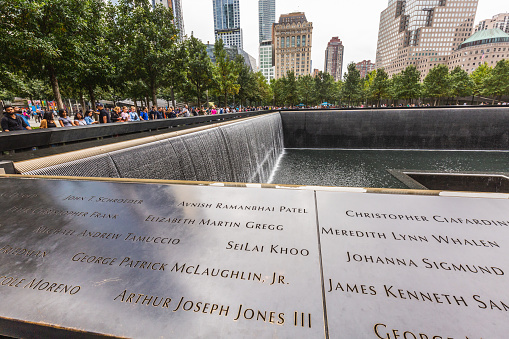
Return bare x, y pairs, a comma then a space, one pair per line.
368, 168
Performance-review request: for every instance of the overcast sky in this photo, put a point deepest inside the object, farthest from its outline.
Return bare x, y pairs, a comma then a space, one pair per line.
354, 22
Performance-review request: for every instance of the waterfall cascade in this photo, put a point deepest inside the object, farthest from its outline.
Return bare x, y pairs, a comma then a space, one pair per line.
244, 151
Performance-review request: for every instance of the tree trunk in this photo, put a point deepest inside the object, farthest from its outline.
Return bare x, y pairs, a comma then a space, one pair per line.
135, 103
148, 102
198, 95
55, 87
172, 96
91, 95
154, 94
82, 103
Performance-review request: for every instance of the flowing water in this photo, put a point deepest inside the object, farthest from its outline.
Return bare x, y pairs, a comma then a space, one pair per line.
368, 168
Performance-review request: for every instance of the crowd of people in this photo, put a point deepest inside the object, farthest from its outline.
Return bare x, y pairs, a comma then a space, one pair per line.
16, 118
19, 119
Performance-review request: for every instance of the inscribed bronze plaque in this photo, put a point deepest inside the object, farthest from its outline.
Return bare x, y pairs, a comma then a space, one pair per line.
402, 266
169, 261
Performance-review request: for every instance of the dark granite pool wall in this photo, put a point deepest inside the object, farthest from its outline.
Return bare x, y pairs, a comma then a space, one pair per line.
472, 128
245, 151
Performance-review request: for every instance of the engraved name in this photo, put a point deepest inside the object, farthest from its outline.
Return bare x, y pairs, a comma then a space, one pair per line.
104, 200
39, 285
125, 262
427, 263
8, 249
255, 208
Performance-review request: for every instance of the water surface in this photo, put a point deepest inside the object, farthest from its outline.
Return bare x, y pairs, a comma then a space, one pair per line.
368, 168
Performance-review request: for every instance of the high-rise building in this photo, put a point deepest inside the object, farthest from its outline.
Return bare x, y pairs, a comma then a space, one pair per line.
486, 46
364, 67
334, 58
500, 21
292, 38
178, 17
178, 20
227, 22
232, 52
266, 60
423, 33
266, 18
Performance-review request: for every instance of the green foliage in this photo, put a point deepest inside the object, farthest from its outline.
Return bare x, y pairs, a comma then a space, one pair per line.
406, 84
147, 38
290, 88
352, 90
42, 39
461, 85
248, 85
306, 89
324, 87
226, 72
437, 82
381, 86
478, 77
198, 69
496, 83
78, 48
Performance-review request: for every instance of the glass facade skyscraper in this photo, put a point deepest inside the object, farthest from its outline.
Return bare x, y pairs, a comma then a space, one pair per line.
266, 17
227, 22
176, 7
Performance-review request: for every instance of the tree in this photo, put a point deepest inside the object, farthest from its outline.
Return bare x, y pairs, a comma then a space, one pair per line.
175, 76
278, 91
246, 80
306, 89
290, 88
226, 72
147, 37
93, 66
460, 83
497, 83
324, 87
351, 90
380, 88
264, 92
198, 68
478, 77
367, 84
436, 84
406, 85
42, 38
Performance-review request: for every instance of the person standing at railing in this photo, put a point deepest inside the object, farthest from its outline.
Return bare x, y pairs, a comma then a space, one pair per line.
104, 116
185, 111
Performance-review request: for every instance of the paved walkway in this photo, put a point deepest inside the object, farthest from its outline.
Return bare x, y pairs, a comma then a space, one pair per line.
33, 123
